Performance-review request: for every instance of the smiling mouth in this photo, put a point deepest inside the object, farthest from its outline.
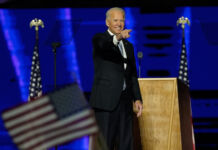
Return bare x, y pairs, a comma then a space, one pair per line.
118, 28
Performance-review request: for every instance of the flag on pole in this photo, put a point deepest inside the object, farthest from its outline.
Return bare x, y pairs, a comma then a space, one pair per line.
35, 87
183, 67
183, 76
51, 120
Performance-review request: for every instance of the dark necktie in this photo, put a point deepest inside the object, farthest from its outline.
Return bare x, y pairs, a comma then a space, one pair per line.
120, 47
121, 51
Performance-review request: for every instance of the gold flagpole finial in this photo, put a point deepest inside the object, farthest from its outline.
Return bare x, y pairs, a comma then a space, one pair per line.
36, 22
183, 20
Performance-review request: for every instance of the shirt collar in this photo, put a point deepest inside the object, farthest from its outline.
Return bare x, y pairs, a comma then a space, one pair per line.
113, 35
110, 32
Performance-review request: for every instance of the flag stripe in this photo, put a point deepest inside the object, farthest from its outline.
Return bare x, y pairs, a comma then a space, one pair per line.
24, 108
62, 134
32, 119
47, 136
26, 112
33, 125
67, 137
47, 129
35, 133
29, 117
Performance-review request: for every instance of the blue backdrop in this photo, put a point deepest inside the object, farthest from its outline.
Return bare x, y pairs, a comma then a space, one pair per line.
154, 34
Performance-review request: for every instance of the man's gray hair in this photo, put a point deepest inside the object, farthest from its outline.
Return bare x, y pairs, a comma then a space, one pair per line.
108, 13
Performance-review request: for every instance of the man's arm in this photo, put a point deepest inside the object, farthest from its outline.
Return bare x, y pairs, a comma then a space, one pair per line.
100, 41
138, 107
124, 34
136, 90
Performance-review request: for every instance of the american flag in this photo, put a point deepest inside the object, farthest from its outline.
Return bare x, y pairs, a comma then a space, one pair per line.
51, 120
183, 67
183, 75
35, 87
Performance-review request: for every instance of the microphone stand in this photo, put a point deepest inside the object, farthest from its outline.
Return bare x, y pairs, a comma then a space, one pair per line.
140, 62
54, 50
140, 55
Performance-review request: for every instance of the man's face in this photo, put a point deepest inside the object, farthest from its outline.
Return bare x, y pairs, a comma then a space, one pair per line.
115, 22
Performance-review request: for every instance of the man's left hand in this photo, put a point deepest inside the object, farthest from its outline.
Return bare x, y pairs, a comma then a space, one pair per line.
138, 107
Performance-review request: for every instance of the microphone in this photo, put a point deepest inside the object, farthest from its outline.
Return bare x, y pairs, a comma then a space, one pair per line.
56, 44
140, 56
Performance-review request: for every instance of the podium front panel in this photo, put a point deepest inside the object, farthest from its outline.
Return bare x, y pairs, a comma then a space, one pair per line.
160, 121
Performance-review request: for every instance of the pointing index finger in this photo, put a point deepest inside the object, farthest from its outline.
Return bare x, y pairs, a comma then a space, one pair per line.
128, 30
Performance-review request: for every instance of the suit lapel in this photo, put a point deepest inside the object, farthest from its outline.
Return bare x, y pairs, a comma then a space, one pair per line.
107, 34
115, 48
127, 48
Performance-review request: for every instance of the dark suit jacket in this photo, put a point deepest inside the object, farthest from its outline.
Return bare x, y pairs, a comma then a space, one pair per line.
109, 73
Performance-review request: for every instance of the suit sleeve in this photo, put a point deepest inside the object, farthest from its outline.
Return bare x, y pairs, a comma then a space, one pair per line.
104, 48
102, 45
135, 87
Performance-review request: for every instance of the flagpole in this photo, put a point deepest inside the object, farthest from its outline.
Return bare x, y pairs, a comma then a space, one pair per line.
184, 73
183, 21
35, 88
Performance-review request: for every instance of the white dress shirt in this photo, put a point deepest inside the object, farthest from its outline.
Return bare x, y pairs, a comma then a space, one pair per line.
116, 42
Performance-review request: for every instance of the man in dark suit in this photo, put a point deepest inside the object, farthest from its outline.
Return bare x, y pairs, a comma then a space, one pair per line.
115, 86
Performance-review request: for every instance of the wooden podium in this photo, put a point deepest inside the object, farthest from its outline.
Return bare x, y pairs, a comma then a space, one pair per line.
165, 123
